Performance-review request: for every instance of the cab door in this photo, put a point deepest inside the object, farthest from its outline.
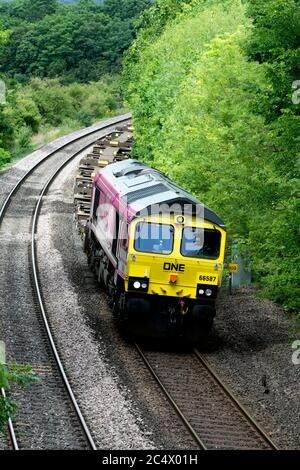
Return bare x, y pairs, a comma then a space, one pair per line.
122, 248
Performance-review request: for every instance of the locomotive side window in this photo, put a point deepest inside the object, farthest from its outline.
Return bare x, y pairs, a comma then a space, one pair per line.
116, 230
124, 235
154, 238
200, 243
96, 203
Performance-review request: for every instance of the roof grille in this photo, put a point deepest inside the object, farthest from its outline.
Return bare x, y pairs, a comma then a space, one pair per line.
143, 193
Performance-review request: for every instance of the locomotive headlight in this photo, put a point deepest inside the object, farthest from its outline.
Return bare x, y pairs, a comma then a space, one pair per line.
204, 291
137, 284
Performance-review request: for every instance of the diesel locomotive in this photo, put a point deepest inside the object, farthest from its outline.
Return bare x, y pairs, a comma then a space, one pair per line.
157, 250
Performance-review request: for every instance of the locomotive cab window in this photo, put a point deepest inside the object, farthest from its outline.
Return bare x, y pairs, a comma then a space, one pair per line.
154, 238
96, 203
200, 243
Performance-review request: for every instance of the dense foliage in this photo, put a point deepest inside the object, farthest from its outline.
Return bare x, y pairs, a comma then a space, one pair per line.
210, 84
44, 104
78, 41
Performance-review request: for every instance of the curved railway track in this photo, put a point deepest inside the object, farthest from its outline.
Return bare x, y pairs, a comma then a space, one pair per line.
57, 402
209, 411
207, 408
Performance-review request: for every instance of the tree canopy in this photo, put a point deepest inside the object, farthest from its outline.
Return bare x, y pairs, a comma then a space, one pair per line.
210, 85
78, 41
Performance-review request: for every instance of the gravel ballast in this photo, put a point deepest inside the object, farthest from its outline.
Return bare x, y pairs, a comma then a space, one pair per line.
250, 346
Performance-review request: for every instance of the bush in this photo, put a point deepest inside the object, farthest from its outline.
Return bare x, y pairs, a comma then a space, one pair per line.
51, 100
23, 138
25, 112
42, 104
5, 157
14, 373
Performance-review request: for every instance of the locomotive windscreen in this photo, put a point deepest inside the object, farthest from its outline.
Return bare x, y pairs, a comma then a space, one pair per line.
200, 243
154, 238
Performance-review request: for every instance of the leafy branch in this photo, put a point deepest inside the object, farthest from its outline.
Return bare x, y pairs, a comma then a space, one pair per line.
13, 373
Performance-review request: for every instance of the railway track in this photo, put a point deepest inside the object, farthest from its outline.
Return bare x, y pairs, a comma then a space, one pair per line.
207, 408
50, 416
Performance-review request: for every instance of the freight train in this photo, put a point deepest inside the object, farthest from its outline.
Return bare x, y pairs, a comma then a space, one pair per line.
157, 250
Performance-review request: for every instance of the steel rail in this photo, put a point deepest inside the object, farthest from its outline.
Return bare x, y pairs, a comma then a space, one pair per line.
236, 402
105, 125
11, 430
254, 425
173, 403
40, 300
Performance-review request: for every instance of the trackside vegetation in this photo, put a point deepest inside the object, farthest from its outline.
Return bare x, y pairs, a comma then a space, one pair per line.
60, 64
210, 84
17, 375
46, 108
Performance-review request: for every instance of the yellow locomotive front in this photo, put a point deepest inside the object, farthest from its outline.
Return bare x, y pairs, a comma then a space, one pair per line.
174, 272
178, 257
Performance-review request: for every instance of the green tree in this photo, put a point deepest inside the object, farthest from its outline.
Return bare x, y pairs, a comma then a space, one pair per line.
125, 10
152, 77
4, 126
275, 40
80, 41
33, 10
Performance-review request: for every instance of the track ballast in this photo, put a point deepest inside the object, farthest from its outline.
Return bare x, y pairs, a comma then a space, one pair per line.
209, 411
50, 417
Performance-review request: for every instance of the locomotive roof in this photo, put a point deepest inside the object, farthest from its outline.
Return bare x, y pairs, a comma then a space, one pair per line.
141, 187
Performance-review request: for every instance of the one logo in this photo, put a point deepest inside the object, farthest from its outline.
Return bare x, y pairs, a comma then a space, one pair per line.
174, 267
